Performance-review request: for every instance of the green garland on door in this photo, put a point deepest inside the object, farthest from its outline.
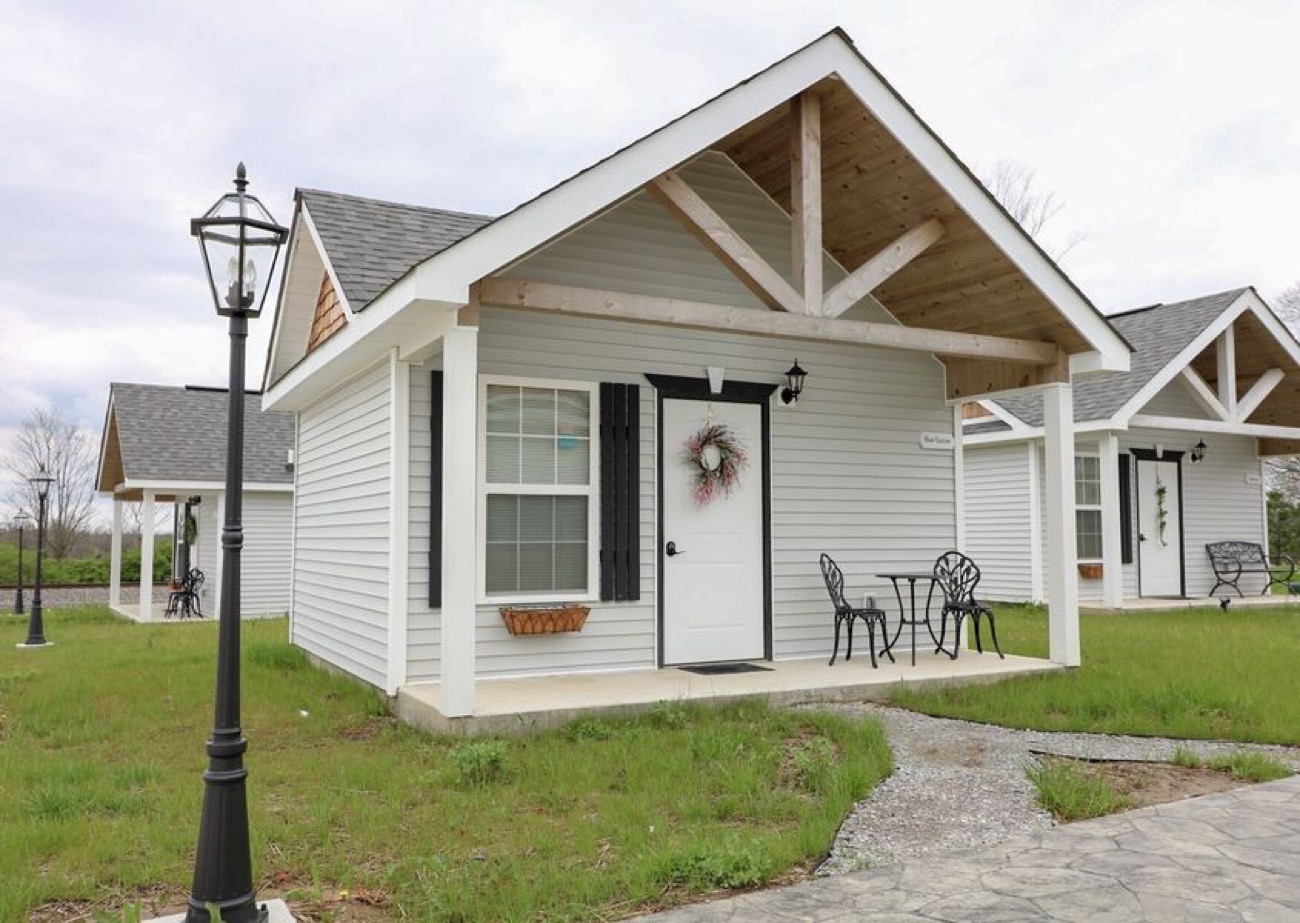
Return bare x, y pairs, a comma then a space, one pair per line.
1162, 512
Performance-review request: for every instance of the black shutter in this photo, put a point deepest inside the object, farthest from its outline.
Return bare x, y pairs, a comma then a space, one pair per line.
620, 411
1125, 510
435, 492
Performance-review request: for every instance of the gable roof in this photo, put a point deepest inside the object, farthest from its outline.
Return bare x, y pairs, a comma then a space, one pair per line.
371, 243
1159, 334
889, 171
158, 433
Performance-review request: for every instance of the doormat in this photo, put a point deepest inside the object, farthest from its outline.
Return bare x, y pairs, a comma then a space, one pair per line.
716, 669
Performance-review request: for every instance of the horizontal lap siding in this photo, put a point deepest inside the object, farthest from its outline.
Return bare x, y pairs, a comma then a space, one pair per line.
265, 564
998, 509
848, 474
341, 546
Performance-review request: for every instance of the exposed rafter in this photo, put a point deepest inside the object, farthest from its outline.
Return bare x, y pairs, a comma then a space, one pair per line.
971, 378
871, 274
709, 228
1204, 394
1271, 448
806, 199
544, 296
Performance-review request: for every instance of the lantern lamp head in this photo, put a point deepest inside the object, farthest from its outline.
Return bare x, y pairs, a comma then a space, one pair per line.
1198, 452
42, 482
240, 242
794, 387
21, 519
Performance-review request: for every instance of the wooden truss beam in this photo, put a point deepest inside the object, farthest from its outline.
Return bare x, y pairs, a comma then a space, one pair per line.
806, 200
1269, 448
545, 296
711, 230
1226, 358
1204, 394
1249, 402
873, 273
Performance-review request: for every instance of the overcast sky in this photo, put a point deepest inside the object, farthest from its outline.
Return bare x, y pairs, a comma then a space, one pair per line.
1170, 130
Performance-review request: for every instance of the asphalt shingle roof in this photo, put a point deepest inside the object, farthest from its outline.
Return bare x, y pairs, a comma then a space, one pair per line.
1157, 334
371, 244
179, 434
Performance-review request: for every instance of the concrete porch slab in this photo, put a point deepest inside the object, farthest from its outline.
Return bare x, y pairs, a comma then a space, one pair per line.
527, 704
1162, 604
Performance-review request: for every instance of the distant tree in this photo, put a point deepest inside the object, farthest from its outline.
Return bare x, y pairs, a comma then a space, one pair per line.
1283, 524
1012, 184
134, 514
47, 438
1283, 474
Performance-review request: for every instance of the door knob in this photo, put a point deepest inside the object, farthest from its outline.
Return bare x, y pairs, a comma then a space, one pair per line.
1141, 537
671, 550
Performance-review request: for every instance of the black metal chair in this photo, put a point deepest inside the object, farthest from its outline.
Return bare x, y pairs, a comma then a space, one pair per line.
957, 576
844, 612
184, 602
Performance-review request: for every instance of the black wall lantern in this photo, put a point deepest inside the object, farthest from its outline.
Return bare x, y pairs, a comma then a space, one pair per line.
795, 377
1198, 453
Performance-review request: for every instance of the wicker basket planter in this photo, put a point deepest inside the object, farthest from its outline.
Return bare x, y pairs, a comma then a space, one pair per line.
1090, 571
544, 620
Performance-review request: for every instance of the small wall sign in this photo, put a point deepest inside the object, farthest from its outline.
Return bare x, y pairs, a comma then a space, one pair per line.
941, 442
1253, 477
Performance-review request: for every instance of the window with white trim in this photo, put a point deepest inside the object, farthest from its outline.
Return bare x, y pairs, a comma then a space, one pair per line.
538, 482
1087, 508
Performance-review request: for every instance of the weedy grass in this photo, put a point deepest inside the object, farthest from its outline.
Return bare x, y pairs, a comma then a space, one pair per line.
1192, 674
1070, 792
102, 753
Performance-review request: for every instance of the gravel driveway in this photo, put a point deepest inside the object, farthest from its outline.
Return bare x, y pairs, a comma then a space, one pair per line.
60, 597
958, 785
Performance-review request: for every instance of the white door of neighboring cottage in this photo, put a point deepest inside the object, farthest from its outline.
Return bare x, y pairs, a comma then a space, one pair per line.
711, 554
1160, 528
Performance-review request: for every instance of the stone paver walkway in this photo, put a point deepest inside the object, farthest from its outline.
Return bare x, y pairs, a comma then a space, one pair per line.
1233, 857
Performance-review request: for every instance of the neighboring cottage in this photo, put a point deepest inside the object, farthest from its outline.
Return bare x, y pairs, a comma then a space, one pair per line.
495, 412
168, 445
1167, 456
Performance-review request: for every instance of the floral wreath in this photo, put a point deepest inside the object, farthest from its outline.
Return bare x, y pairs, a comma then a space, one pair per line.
1162, 512
716, 458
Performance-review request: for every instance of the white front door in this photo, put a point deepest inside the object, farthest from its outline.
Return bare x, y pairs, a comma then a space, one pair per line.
1160, 529
712, 554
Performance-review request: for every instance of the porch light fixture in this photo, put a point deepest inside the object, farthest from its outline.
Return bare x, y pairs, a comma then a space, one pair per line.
237, 235
35, 623
1198, 453
21, 521
795, 377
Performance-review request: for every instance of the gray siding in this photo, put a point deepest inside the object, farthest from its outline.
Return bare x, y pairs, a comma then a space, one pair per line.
341, 546
265, 566
848, 474
998, 511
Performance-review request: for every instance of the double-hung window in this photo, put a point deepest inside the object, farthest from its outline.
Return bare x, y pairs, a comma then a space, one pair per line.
538, 489
1087, 508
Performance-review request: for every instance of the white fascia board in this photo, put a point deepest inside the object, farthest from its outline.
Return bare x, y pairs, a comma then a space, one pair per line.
1091, 363
176, 487
290, 255
1228, 428
310, 225
365, 340
103, 441
1173, 369
1036, 432
1285, 338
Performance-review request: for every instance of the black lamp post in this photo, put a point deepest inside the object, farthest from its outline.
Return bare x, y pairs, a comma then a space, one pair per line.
20, 522
240, 239
35, 624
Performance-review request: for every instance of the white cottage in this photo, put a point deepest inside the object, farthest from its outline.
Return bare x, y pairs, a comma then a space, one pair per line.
493, 412
1167, 457
167, 445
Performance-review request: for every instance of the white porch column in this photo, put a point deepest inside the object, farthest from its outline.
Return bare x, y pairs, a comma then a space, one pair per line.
399, 523
146, 557
459, 512
1112, 567
1062, 572
115, 557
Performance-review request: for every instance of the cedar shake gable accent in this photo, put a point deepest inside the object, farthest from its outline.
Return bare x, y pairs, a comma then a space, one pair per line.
329, 315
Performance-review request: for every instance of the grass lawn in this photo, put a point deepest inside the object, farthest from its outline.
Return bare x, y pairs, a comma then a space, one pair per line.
101, 756
1198, 673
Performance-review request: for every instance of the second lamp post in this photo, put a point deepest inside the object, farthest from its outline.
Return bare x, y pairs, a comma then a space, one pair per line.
36, 623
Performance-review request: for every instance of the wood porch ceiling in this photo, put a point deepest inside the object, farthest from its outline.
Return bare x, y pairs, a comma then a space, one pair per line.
874, 191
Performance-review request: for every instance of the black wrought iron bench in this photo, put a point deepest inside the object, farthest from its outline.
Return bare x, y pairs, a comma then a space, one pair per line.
1232, 560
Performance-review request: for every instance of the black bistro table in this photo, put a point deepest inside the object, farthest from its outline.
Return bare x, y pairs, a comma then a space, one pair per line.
908, 616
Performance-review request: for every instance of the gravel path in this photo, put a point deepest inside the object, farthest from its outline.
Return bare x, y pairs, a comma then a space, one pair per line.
958, 785
56, 598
